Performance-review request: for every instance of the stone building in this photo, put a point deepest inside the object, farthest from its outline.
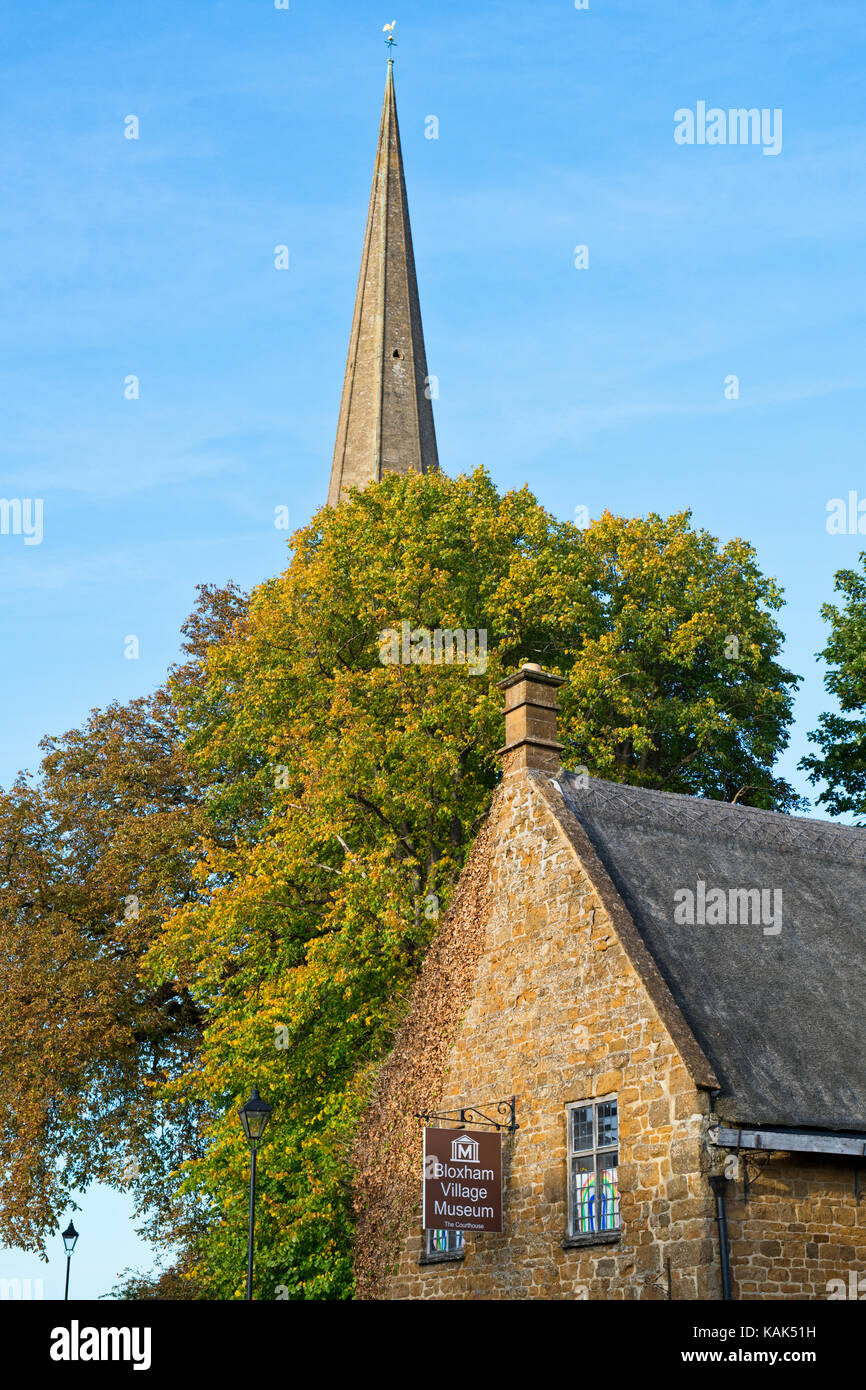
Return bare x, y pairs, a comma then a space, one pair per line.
671, 988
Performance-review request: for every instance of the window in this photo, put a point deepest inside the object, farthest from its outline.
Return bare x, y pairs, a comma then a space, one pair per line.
441, 1243
593, 1152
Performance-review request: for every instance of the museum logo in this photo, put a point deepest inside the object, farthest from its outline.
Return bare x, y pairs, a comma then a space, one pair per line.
464, 1148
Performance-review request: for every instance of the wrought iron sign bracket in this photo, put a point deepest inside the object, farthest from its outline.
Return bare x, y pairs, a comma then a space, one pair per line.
759, 1162
473, 1115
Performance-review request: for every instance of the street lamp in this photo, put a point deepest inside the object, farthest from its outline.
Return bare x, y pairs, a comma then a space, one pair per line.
70, 1236
254, 1118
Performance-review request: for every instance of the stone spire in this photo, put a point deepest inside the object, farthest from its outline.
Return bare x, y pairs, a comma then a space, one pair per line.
386, 417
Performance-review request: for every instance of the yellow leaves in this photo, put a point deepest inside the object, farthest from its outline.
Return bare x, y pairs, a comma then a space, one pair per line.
295, 901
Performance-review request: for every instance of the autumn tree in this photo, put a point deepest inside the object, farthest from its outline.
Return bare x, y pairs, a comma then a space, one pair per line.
353, 789
95, 853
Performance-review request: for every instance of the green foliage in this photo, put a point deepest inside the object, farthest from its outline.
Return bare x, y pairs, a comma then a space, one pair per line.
289, 819
676, 683
841, 737
172, 1285
344, 795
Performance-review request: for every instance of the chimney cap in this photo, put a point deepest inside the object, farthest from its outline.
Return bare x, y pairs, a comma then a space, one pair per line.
531, 671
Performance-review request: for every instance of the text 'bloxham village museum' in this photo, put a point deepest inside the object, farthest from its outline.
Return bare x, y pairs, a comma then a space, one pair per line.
596, 1093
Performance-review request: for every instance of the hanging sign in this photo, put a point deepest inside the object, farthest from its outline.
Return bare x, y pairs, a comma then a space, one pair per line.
462, 1180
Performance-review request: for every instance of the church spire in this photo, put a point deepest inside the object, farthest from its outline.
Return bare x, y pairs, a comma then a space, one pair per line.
386, 418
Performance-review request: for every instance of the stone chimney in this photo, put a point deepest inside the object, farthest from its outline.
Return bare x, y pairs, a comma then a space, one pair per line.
530, 720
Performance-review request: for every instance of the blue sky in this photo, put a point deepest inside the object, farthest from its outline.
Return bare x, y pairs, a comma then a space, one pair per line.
601, 387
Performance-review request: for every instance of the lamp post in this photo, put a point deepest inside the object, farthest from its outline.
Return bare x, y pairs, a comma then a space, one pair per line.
70, 1236
254, 1118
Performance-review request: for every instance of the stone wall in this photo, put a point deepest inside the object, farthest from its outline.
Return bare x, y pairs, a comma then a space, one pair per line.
552, 1011
387, 1158
800, 1229
528, 990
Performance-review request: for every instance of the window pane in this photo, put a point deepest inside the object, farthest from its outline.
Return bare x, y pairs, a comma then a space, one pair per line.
581, 1128
608, 1125
608, 1190
441, 1242
583, 1196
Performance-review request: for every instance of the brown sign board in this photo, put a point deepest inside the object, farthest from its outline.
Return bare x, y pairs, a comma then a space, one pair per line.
462, 1180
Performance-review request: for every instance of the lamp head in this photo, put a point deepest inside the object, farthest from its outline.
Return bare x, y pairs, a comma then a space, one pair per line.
254, 1116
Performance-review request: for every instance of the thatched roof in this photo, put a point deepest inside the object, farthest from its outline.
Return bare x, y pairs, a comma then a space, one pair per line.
781, 1017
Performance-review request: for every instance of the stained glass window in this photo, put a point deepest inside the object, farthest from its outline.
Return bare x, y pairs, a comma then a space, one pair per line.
444, 1242
593, 1137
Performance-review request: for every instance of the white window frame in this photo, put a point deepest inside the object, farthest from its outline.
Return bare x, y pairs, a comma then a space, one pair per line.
596, 1152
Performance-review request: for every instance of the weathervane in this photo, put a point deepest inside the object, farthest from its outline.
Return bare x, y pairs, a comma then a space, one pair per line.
389, 30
